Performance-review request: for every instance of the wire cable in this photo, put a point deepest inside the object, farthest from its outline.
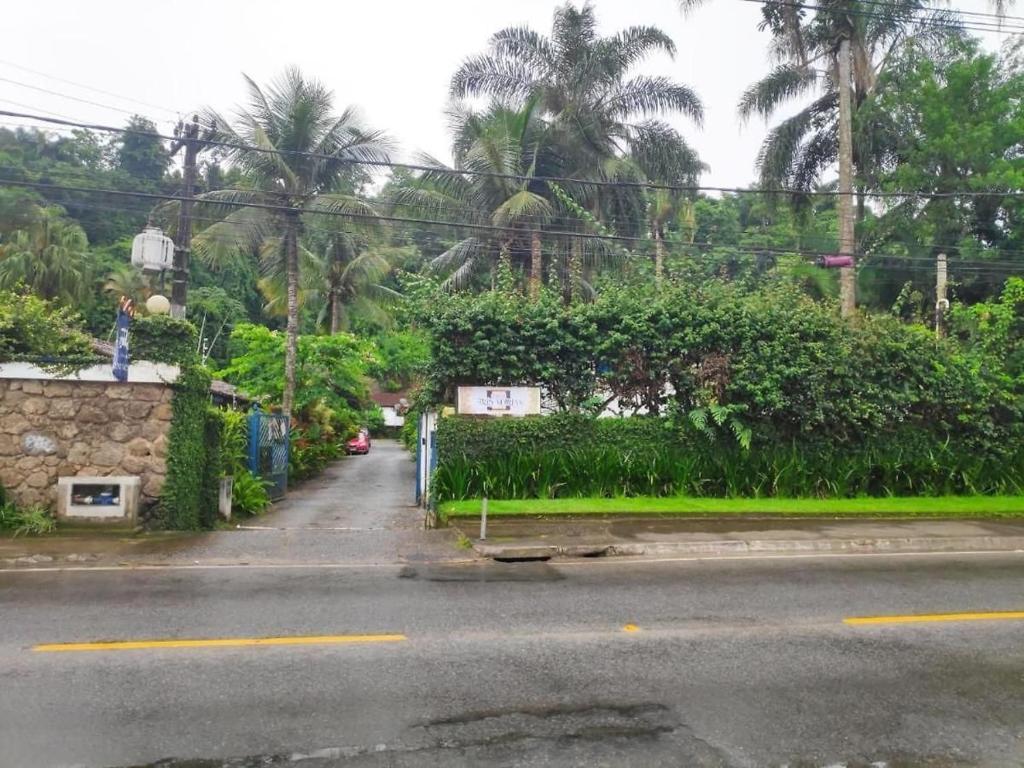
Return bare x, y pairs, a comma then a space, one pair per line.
600, 183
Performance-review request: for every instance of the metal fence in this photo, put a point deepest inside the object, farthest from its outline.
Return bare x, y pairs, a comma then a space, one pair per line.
268, 450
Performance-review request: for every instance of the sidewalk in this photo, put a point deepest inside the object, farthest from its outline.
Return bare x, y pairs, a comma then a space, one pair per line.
517, 538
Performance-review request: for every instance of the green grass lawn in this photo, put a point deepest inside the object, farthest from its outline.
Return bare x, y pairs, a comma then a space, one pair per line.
906, 506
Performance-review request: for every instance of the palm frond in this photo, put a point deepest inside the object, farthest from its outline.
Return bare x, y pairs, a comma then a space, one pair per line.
458, 255
524, 45
523, 205
487, 75
632, 45
651, 95
780, 147
785, 82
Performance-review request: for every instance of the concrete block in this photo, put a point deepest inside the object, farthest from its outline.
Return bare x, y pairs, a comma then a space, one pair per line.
73, 491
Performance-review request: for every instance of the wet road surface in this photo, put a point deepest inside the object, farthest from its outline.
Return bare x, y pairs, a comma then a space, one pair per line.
714, 663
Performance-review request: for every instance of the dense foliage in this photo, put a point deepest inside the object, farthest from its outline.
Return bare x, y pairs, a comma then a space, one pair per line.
163, 339
754, 379
37, 330
189, 497
578, 455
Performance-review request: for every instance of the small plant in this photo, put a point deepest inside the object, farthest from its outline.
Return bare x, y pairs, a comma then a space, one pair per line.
464, 542
249, 494
28, 521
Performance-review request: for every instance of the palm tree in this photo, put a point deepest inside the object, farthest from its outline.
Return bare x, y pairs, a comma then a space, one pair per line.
505, 150
306, 151
581, 82
345, 278
805, 45
126, 280
50, 257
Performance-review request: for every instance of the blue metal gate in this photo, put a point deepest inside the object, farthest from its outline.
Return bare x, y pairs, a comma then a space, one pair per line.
268, 450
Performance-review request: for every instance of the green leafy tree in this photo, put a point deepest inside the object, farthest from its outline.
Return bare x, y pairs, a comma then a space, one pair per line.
310, 150
331, 372
50, 258
31, 327
960, 122
142, 157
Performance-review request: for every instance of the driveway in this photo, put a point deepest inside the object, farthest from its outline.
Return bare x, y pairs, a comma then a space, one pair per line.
360, 510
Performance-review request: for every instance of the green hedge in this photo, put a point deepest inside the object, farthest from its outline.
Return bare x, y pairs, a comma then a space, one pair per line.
163, 339
486, 438
574, 456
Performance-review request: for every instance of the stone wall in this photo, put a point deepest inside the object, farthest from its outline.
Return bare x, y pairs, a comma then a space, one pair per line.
56, 428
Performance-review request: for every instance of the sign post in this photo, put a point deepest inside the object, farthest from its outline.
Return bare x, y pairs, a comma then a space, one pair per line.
499, 401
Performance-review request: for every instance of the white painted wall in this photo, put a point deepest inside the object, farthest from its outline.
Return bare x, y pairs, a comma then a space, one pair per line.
142, 372
391, 418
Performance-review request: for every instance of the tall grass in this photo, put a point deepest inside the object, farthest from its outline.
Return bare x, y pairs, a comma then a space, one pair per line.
701, 469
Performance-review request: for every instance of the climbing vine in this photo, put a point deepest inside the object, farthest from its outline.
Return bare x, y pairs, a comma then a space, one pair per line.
186, 496
163, 339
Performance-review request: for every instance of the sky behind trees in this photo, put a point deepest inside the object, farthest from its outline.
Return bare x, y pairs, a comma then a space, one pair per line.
394, 59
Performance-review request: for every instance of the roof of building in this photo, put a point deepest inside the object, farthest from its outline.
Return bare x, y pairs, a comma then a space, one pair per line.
387, 399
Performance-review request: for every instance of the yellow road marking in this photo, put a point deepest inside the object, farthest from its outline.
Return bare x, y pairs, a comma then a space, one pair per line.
631, 628
219, 642
922, 618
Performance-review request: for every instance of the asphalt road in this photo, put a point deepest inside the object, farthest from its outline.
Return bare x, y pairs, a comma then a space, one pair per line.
742, 663
403, 656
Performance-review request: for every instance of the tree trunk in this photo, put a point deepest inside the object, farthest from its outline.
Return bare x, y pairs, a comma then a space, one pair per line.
847, 243
659, 255
291, 347
536, 264
335, 312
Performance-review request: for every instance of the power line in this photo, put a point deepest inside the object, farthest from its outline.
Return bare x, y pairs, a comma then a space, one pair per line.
30, 106
603, 183
920, 20
409, 220
83, 175
89, 87
960, 11
65, 96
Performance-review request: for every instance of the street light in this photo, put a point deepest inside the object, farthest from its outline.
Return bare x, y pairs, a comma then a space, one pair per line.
158, 305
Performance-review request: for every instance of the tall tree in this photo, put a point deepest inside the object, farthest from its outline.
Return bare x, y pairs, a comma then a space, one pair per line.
50, 257
504, 150
342, 278
583, 83
138, 153
304, 152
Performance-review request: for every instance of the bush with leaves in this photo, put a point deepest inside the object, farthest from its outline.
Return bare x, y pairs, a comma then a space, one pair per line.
761, 375
24, 520
36, 330
163, 339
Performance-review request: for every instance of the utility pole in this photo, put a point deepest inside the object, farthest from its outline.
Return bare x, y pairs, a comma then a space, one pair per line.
941, 302
847, 241
188, 137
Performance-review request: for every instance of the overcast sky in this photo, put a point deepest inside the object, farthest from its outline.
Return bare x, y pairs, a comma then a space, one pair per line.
391, 58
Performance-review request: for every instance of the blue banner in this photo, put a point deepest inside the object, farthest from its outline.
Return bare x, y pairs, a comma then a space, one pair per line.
124, 320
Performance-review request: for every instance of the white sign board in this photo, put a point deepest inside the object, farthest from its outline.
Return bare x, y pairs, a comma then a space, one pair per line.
499, 401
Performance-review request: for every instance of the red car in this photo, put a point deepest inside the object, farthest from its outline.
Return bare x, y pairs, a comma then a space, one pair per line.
360, 443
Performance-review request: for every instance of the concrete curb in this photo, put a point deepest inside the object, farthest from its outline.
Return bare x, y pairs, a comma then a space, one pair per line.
514, 551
